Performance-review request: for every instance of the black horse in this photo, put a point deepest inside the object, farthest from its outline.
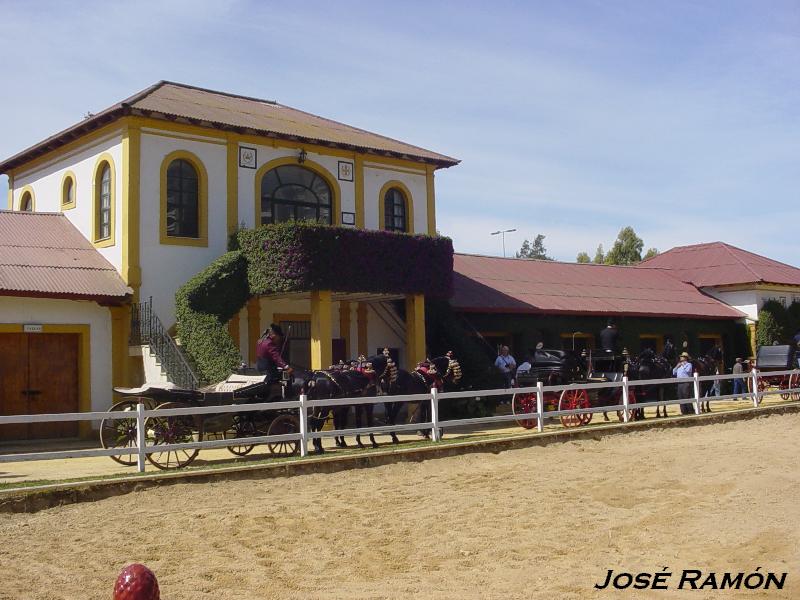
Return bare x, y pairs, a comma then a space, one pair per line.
440, 373
707, 365
649, 365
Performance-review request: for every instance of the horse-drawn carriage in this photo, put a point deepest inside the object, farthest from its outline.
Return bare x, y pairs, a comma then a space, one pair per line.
240, 388
562, 367
776, 358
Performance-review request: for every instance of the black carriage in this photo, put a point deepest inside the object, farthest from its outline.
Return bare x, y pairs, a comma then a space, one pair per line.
563, 367
776, 358
245, 387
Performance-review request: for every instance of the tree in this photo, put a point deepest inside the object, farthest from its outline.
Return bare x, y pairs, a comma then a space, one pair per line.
770, 326
651, 252
534, 249
599, 257
627, 249
583, 257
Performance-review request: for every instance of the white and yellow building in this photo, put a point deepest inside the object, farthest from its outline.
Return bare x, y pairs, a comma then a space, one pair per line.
159, 182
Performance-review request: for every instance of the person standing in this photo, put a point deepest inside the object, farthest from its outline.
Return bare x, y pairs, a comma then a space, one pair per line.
608, 337
685, 389
738, 383
507, 365
268, 352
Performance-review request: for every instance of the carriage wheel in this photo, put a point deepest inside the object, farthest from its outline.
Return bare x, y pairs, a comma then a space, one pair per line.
631, 411
523, 404
172, 430
571, 400
785, 384
794, 381
281, 425
243, 427
121, 433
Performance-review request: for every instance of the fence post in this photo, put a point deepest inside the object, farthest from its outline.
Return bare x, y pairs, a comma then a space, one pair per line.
754, 387
303, 425
695, 376
140, 441
435, 415
540, 405
625, 398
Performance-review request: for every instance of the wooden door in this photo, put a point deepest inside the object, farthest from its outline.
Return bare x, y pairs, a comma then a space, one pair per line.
53, 382
38, 375
13, 383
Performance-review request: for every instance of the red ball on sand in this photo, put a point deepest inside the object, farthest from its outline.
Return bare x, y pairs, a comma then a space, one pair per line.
136, 582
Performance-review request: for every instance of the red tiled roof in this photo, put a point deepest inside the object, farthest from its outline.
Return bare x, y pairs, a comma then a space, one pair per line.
490, 284
43, 254
717, 263
220, 110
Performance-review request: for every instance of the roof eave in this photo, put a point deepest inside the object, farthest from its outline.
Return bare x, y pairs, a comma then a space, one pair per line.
590, 313
103, 299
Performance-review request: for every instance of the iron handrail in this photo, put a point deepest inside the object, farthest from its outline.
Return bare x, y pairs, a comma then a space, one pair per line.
147, 329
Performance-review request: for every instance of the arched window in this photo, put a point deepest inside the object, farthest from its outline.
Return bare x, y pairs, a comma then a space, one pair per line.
183, 193
26, 202
103, 187
394, 210
294, 193
68, 191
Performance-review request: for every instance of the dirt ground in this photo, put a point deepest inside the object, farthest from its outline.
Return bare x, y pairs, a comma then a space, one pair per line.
535, 523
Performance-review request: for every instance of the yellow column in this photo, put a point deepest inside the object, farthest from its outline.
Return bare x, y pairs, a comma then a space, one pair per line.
120, 333
233, 329
751, 329
361, 321
415, 329
10, 192
344, 326
131, 162
253, 327
431, 200
233, 185
358, 180
321, 329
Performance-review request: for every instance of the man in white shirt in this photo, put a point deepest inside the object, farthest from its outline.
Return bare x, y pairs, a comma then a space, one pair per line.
507, 365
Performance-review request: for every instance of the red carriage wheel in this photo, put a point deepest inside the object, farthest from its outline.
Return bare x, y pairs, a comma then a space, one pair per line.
631, 411
572, 399
522, 404
794, 382
121, 433
785, 384
281, 425
181, 429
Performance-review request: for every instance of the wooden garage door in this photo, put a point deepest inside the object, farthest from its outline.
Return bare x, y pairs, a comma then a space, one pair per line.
38, 374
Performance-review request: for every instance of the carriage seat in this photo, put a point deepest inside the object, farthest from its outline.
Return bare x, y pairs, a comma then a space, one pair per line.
543, 358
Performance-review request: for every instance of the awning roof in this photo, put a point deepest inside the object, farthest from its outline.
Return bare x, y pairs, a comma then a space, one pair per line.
44, 255
491, 284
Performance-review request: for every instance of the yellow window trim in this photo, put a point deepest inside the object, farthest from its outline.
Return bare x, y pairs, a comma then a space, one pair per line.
27, 190
431, 193
589, 337
10, 192
659, 338
105, 157
394, 183
84, 363
131, 162
311, 166
69, 175
202, 201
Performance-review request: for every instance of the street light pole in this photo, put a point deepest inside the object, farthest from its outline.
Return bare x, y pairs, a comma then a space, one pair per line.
503, 235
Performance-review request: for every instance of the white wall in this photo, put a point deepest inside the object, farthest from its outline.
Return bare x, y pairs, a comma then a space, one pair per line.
46, 183
71, 312
376, 176
750, 301
167, 267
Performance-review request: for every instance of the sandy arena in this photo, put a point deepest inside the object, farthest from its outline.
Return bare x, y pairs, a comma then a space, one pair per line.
536, 523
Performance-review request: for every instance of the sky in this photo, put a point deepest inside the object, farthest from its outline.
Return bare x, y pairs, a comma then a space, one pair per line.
571, 119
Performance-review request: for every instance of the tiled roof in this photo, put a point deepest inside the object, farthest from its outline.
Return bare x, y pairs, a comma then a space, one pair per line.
219, 110
491, 284
718, 264
43, 254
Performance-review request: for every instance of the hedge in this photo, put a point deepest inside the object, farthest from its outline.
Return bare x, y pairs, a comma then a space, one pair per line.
203, 307
295, 257
302, 256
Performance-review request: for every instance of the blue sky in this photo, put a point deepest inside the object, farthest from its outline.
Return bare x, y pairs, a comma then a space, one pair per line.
572, 119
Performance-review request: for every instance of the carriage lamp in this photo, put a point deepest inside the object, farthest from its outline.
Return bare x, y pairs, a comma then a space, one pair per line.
301, 158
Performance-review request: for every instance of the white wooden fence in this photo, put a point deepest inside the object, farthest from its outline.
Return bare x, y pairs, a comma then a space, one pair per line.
303, 404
